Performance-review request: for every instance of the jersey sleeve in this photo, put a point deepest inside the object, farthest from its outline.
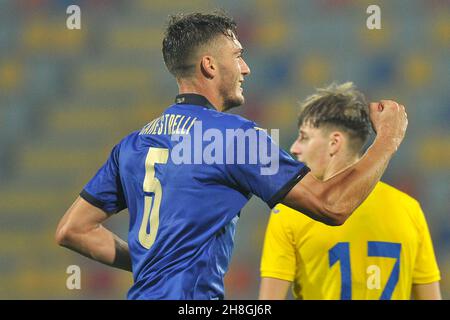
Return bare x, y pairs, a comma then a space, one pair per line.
426, 269
278, 256
105, 190
260, 167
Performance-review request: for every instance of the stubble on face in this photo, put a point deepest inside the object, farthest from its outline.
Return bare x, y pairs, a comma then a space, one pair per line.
230, 76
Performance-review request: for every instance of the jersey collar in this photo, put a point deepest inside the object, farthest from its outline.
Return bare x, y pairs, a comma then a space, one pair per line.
193, 99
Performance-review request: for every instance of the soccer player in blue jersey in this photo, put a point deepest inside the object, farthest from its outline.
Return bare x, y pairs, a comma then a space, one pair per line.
186, 175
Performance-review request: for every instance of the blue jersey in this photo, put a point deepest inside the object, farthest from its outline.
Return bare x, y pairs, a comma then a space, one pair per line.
184, 178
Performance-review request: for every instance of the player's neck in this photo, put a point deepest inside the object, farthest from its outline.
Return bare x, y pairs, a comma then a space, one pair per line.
204, 89
339, 163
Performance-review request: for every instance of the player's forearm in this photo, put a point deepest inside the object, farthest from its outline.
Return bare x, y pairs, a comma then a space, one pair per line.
346, 190
101, 245
332, 201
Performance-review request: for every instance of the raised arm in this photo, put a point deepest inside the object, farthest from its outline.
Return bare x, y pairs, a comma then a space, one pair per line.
81, 230
332, 201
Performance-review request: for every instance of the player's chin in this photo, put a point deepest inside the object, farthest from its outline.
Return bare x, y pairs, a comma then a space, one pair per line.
233, 102
240, 96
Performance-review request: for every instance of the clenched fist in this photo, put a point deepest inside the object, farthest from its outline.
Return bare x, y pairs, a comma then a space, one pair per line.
389, 120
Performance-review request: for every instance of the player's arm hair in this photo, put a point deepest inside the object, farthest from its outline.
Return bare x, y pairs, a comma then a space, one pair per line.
333, 200
81, 230
427, 291
273, 289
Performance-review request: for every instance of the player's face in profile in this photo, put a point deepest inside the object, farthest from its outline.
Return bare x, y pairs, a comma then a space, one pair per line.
311, 148
232, 70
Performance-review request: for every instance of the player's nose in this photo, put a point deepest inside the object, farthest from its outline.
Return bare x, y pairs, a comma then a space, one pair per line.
245, 69
296, 149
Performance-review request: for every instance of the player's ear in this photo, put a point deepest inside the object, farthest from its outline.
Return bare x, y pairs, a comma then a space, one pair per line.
336, 140
208, 67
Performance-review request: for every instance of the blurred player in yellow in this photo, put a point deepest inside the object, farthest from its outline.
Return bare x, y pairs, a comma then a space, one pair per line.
383, 251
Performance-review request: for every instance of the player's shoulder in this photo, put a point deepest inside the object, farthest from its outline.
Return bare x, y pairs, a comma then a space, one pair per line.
214, 118
282, 209
232, 120
130, 137
387, 192
284, 213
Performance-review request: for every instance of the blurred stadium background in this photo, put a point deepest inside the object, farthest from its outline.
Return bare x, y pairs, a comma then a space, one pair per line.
66, 97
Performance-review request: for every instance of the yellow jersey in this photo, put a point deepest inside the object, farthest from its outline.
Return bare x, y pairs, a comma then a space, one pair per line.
378, 253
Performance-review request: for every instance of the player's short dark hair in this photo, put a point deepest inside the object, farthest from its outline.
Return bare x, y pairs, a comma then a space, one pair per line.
338, 106
186, 33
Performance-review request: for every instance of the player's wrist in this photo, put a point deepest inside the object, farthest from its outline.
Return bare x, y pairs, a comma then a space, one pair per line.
387, 143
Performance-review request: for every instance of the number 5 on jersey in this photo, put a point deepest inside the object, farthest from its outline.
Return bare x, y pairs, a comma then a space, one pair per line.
151, 202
